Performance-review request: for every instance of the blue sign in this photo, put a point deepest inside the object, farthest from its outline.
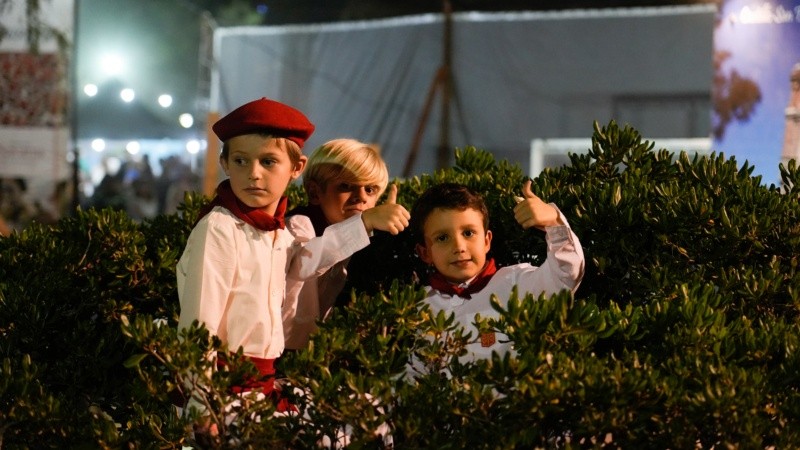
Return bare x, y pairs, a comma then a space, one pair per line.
756, 50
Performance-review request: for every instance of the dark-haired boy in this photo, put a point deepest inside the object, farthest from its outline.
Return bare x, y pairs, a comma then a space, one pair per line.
451, 225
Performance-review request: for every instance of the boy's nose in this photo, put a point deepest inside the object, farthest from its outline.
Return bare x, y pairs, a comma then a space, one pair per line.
254, 173
358, 194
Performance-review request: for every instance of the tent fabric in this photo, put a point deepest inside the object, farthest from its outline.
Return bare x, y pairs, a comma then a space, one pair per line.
517, 77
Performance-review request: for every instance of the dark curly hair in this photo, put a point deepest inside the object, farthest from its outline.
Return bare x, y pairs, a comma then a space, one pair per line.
445, 196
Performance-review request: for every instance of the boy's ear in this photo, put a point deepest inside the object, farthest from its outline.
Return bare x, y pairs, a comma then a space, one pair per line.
488, 240
313, 191
423, 253
299, 167
224, 163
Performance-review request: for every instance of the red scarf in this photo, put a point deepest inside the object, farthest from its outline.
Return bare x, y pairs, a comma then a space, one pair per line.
438, 282
254, 216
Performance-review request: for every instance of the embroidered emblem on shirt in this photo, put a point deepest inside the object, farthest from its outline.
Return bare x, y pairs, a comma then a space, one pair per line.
487, 339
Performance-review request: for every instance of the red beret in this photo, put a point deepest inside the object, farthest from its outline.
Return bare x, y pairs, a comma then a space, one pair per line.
265, 115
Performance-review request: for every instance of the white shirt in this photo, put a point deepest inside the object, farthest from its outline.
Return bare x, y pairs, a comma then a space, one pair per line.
232, 276
309, 300
562, 269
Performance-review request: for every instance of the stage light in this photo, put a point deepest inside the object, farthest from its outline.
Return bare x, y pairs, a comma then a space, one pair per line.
112, 65
186, 120
133, 147
98, 145
127, 95
165, 100
90, 90
193, 146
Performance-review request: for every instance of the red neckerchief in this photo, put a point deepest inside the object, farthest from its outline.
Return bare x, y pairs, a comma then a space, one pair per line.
438, 282
254, 216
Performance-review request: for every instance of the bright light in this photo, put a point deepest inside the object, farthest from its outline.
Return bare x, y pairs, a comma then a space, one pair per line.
165, 100
113, 164
186, 120
193, 146
98, 145
133, 147
127, 95
90, 90
112, 64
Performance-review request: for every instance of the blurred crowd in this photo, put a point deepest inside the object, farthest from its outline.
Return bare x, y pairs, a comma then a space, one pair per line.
17, 209
134, 188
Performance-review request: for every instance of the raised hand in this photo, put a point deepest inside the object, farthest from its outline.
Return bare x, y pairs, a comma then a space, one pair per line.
389, 216
531, 211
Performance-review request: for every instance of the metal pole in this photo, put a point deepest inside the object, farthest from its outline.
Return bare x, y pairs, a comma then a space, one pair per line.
76, 153
443, 154
412, 155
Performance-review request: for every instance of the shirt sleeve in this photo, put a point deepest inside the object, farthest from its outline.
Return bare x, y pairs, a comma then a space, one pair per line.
205, 274
315, 256
301, 299
301, 228
564, 266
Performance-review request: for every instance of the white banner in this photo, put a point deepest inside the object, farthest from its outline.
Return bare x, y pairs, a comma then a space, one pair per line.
56, 14
34, 152
34, 132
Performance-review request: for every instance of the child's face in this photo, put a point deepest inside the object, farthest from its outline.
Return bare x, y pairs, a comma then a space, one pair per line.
340, 200
260, 170
455, 243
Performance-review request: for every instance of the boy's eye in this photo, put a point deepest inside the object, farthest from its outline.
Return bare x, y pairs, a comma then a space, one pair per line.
343, 187
469, 233
239, 161
371, 190
440, 238
266, 162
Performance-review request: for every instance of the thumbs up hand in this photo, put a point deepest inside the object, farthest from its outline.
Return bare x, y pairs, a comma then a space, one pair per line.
389, 216
391, 198
531, 211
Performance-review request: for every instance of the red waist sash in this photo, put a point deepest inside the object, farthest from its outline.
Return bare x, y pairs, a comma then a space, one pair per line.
264, 381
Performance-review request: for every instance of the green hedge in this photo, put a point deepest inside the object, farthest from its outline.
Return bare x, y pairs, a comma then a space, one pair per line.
683, 334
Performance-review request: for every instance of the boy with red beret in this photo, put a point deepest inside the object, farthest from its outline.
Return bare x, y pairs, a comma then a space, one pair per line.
233, 272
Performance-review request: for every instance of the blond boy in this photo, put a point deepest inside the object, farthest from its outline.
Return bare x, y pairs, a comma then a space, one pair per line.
343, 177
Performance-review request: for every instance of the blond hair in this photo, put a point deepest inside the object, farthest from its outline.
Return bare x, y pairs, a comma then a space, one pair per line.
347, 160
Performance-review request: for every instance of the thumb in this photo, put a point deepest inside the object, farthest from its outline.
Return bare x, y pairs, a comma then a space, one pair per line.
526, 190
392, 198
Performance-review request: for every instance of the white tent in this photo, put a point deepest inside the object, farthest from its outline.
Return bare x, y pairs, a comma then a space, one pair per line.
517, 77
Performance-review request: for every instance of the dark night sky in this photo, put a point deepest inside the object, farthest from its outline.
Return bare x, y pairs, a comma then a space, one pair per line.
278, 12
293, 11
306, 11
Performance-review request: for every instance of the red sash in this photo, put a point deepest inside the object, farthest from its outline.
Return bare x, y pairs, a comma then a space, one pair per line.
264, 381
